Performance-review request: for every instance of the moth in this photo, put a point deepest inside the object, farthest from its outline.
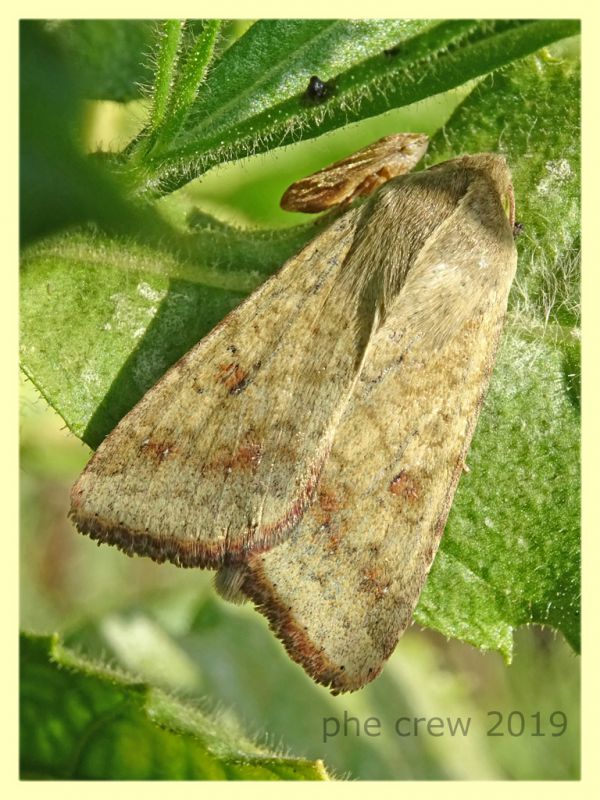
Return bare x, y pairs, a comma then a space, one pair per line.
309, 447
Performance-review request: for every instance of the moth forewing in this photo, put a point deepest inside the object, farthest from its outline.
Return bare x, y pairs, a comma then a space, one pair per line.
342, 588
221, 456
358, 175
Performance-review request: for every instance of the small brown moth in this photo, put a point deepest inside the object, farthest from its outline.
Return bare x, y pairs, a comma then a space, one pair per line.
357, 175
310, 446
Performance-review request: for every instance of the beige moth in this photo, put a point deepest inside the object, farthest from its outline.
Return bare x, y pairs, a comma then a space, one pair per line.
309, 447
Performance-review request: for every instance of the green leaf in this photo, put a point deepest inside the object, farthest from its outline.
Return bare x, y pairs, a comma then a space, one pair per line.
511, 551
59, 186
110, 56
170, 36
81, 720
255, 96
276, 58
178, 78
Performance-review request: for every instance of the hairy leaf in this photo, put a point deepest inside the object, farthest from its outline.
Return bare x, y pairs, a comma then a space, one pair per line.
81, 720
255, 98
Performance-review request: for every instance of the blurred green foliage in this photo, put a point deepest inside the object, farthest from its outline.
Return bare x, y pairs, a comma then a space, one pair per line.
106, 309
111, 724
